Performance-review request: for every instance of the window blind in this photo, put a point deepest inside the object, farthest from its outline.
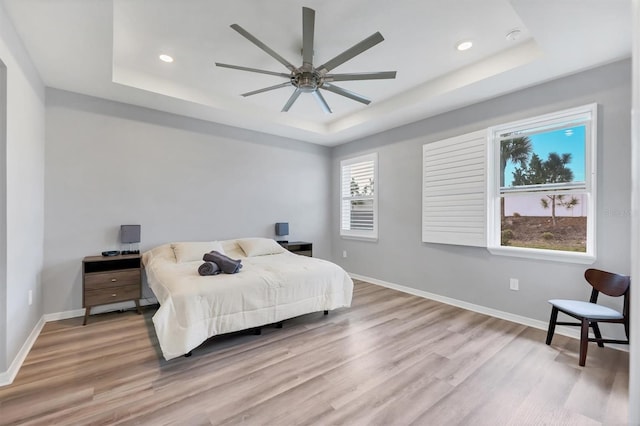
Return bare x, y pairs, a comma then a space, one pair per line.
454, 206
358, 209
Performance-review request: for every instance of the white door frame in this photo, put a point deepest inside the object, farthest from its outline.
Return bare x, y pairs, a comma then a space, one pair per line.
634, 350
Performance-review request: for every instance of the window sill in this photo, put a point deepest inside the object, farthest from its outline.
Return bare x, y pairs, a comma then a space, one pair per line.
359, 238
552, 255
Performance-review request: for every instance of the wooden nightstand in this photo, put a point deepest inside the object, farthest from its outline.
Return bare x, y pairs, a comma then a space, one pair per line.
299, 247
110, 279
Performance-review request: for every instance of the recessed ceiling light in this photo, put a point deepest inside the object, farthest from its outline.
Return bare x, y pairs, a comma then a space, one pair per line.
464, 45
165, 58
514, 34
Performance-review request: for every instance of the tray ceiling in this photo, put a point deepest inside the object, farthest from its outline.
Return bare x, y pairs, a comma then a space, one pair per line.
110, 49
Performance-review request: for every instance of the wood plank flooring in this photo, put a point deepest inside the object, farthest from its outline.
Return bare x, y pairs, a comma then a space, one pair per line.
390, 359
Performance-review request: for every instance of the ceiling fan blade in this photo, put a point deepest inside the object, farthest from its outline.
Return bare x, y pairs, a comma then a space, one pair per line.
308, 29
238, 67
382, 75
350, 53
322, 102
346, 93
263, 46
266, 89
291, 100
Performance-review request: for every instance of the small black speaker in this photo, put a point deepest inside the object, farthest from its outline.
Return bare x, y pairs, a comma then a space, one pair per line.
129, 234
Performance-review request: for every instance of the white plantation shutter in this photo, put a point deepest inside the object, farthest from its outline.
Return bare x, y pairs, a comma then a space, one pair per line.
358, 203
454, 202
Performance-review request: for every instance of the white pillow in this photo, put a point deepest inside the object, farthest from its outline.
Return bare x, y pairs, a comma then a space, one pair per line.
260, 246
163, 252
192, 251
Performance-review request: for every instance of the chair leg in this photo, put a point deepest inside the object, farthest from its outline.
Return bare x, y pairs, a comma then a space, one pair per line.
626, 328
552, 324
584, 341
596, 331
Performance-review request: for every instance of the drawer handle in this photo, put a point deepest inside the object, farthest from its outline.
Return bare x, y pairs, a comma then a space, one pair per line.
114, 295
113, 280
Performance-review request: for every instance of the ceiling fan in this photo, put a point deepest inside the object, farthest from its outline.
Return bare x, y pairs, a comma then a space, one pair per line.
310, 79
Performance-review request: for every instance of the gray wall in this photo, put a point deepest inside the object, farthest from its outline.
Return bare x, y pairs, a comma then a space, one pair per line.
23, 195
182, 179
473, 274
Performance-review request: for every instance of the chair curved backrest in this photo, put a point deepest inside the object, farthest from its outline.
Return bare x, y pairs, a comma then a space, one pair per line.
614, 285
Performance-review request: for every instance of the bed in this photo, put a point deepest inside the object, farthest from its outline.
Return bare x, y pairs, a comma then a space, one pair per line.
272, 286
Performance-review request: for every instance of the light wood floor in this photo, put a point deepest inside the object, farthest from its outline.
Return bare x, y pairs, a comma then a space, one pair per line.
390, 359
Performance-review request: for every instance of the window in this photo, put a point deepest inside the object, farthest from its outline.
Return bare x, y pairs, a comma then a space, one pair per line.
359, 197
542, 192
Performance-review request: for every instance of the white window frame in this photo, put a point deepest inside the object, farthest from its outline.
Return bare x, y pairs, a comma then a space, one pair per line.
361, 234
585, 112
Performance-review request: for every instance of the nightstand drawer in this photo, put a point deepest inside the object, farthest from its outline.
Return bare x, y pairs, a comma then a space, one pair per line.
303, 253
109, 279
111, 295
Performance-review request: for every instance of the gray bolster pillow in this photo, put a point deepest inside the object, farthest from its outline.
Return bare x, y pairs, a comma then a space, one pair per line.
209, 268
228, 265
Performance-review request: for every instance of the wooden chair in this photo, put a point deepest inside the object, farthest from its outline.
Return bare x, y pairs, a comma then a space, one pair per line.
590, 313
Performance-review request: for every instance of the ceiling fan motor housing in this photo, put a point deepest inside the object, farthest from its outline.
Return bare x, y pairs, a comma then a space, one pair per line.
306, 81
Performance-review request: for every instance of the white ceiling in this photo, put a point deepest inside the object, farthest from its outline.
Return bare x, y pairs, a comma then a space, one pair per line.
110, 49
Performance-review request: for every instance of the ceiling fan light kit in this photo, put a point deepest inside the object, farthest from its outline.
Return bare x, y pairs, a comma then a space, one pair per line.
310, 79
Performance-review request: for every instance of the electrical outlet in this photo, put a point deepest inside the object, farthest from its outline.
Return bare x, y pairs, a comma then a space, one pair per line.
344, 253
513, 284
30, 297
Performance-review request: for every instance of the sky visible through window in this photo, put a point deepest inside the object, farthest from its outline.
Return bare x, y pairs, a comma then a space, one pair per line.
568, 140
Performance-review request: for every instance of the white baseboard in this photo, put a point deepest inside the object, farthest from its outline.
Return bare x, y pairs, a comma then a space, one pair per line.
97, 310
57, 316
572, 332
7, 377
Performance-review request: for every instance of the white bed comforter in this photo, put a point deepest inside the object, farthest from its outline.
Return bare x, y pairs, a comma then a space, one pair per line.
268, 289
